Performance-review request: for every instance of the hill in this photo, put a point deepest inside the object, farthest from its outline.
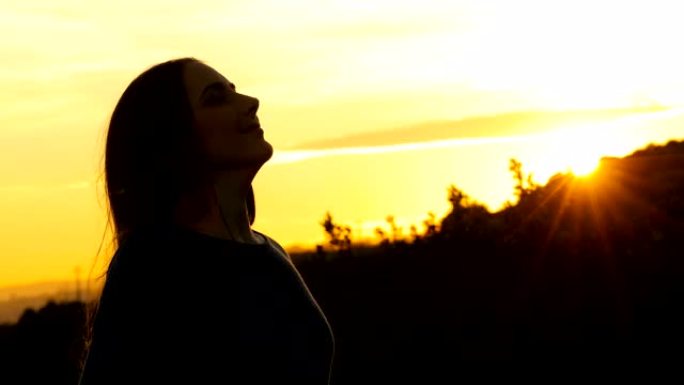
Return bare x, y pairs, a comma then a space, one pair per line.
577, 274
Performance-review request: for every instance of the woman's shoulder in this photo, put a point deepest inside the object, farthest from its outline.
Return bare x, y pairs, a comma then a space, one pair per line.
273, 243
142, 252
160, 249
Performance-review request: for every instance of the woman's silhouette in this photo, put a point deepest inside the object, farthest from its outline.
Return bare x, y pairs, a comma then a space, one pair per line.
193, 294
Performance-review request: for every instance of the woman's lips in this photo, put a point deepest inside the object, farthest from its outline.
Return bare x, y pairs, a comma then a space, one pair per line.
252, 127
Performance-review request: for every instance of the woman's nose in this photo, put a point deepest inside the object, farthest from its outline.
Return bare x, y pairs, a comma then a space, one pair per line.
253, 106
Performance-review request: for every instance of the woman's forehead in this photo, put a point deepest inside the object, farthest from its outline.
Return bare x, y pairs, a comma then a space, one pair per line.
199, 75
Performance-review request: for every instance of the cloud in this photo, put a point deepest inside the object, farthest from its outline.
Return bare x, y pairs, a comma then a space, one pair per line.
33, 188
475, 130
293, 156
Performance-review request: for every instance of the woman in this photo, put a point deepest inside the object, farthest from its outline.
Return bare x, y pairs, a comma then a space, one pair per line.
193, 293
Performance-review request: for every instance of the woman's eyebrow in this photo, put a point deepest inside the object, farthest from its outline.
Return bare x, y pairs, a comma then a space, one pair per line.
213, 86
220, 86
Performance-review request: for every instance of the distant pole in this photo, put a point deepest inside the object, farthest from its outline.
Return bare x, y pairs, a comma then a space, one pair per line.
77, 271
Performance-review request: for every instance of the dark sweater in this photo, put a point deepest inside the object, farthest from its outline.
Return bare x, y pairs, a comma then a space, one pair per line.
180, 306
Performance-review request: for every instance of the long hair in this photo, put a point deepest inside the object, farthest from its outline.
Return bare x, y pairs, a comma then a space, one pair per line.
152, 155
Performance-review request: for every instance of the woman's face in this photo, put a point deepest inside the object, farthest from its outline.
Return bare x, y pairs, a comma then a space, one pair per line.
225, 120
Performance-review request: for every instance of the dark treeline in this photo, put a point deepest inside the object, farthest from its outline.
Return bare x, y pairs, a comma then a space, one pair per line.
44, 346
576, 275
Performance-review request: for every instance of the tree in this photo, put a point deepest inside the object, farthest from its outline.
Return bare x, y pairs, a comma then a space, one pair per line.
524, 184
339, 236
430, 224
457, 198
396, 230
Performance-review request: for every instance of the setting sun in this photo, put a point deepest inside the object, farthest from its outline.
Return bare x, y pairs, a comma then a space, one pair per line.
584, 166
576, 150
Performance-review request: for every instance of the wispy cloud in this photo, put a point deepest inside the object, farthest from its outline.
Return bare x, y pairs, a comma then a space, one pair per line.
553, 133
32, 188
495, 126
292, 156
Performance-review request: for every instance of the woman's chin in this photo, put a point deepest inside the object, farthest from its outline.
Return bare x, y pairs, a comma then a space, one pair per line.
252, 156
259, 156
268, 150
264, 152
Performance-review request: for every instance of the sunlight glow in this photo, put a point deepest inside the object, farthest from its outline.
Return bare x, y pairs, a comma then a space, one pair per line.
577, 150
585, 167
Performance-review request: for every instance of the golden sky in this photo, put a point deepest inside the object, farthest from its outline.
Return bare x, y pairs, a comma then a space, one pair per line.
371, 105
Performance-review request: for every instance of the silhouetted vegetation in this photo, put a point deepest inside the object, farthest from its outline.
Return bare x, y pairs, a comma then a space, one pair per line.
339, 236
577, 274
44, 346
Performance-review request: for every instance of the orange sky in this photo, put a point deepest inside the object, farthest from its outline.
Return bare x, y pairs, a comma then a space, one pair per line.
396, 80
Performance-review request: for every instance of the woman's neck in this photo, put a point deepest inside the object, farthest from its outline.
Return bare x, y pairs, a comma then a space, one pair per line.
226, 215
